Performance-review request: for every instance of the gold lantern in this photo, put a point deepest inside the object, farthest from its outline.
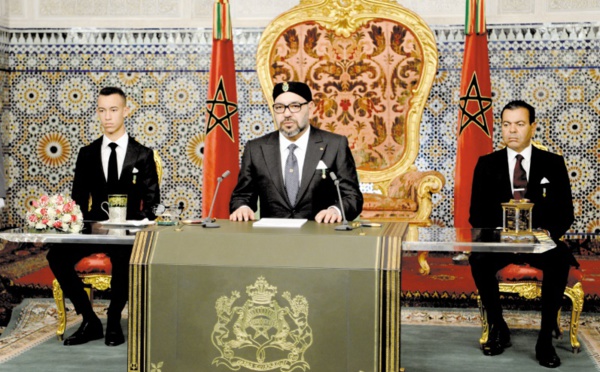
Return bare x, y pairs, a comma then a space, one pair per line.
516, 220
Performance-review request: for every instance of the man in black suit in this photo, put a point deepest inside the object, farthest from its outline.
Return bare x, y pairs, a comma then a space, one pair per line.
289, 170
113, 164
517, 171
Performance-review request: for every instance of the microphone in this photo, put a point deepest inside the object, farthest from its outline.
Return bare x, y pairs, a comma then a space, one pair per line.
208, 220
344, 226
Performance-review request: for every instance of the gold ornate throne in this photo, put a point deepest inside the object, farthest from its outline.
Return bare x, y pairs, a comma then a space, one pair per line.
370, 65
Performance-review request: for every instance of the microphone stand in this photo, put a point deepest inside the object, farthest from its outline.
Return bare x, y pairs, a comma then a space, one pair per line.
344, 226
208, 220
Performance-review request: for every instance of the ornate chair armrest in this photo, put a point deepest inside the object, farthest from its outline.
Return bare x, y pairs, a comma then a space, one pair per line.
418, 186
415, 184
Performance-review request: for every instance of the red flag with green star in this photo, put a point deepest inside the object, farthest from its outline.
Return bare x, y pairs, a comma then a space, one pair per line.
221, 146
475, 117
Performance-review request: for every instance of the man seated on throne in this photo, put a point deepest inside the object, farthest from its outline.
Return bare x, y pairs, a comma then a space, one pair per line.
289, 170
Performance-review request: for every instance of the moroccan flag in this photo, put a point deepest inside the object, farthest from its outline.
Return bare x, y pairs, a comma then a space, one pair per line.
221, 143
475, 116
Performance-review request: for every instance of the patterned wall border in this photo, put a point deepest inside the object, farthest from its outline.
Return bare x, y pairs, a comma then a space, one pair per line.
159, 36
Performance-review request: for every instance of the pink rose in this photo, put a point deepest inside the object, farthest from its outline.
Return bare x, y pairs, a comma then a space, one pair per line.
68, 208
44, 199
57, 225
33, 218
44, 211
35, 204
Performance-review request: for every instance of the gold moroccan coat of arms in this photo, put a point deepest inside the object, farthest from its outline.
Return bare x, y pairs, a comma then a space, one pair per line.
262, 335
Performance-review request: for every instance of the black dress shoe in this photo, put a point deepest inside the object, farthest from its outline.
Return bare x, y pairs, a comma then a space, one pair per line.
114, 335
546, 355
498, 340
87, 331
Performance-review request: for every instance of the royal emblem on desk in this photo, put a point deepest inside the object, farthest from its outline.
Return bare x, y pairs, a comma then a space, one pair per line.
262, 335
516, 220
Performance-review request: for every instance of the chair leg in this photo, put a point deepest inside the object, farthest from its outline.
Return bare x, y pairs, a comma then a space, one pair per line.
577, 296
59, 298
422, 259
485, 326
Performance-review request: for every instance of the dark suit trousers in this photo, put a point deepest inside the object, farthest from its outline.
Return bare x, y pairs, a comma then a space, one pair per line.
555, 265
62, 259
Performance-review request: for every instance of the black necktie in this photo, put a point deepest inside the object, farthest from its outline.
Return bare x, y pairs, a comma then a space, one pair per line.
519, 179
292, 179
113, 169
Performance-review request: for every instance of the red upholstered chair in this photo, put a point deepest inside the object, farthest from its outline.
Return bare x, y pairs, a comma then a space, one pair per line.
526, 281
370, 65
94, 270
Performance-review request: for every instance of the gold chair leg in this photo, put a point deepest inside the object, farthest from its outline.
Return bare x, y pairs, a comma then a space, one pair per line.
577, 297
485, 327
59, 298
422, 259
412, 234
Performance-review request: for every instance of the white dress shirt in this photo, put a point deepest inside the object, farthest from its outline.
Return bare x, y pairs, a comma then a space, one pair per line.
121, 150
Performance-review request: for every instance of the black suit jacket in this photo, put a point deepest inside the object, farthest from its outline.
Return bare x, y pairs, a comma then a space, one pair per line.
90, 181
553, 202
261, 178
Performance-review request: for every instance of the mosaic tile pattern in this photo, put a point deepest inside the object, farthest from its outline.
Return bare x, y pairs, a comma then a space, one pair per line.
50, 80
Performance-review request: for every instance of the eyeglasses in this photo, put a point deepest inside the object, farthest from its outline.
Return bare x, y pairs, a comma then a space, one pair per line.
294, 107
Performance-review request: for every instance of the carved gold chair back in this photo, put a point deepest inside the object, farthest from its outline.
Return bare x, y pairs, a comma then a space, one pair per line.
370, 65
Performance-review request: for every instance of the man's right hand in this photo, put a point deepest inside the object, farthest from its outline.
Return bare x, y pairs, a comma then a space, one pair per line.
243, 213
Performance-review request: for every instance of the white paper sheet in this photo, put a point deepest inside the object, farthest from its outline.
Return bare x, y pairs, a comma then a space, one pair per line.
144, 222
280, 222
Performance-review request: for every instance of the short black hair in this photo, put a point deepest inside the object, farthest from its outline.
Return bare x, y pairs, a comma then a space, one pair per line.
513, 105
109, 91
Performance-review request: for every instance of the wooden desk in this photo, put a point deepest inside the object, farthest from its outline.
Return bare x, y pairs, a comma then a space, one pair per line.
263, 299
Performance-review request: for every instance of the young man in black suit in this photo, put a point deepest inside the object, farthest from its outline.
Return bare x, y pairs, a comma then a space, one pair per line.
113, 164
289, 169
517, 171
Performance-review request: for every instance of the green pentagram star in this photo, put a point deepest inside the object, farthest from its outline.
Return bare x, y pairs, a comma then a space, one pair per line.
230, 108
483, 103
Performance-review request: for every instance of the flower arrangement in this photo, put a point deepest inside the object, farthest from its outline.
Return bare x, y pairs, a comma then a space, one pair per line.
55, 212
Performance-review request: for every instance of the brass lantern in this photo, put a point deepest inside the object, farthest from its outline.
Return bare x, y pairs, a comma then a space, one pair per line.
516, 220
